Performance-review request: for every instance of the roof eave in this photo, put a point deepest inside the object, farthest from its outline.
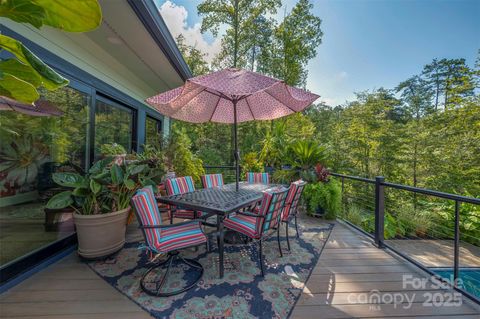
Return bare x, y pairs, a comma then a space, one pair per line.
148, 13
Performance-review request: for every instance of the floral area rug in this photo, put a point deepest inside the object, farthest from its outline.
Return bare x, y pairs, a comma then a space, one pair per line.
242, 293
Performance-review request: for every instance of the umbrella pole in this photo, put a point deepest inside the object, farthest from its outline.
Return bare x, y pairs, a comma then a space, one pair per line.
236, 156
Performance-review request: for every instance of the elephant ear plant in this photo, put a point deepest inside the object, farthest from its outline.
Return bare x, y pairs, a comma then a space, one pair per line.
107, 187
89, 196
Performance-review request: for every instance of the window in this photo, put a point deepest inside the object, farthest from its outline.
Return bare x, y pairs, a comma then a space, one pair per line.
113, 125
153, 131
31, 149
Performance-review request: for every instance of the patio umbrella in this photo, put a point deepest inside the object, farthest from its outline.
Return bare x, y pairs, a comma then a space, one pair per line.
231, 96
39, 108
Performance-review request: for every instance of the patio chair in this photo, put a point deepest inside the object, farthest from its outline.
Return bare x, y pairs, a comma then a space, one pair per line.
259, 226
263, 178
167, 239
291, 206
212, 180
177, 186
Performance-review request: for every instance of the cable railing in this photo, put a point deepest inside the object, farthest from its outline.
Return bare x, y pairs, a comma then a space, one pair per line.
228, 171
379, 209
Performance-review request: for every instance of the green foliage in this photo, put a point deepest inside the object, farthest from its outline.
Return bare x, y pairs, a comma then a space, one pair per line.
112, 149
251, 163
106, 187
305, 154
22, 76
183, 161
324, 195
283, 176
239, 17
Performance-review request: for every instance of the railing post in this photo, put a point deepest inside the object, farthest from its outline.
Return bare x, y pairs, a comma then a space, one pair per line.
379, 210
456, 251
343, 196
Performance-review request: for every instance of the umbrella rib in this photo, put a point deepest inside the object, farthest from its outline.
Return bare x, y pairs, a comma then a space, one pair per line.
215, 108
249, 108
281, 102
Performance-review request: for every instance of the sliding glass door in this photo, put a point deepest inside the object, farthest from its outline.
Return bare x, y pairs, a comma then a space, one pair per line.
114, 125
32, 148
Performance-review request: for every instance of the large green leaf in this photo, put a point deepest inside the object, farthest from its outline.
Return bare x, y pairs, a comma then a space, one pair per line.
50, 79
70, 180
100, 165
95, 187
60, 200
67, 15
23, 11
74, 16
17, 89
22, 71
117, 174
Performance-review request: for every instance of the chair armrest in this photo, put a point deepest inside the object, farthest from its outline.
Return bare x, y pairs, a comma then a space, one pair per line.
250, 214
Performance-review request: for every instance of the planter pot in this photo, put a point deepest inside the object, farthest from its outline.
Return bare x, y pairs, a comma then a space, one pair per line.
58, 219
101, 235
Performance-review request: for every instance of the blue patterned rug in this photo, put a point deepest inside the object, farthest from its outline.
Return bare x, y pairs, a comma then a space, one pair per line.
242, 293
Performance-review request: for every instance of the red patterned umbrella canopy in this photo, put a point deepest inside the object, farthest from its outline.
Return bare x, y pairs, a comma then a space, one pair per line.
231, 96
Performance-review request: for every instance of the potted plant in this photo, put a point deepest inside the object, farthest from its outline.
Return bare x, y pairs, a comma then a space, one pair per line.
322, 196
100, 199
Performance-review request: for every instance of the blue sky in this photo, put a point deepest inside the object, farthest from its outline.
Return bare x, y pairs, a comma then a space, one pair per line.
367, 44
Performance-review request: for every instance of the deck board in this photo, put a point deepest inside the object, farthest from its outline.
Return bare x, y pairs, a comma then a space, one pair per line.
349, 268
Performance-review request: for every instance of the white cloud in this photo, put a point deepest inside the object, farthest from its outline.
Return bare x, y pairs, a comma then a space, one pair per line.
341, 76
175, 17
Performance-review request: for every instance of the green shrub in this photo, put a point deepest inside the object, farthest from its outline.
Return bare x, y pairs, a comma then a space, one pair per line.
180, 157
283, 176
251, 163
325, 195
112, 149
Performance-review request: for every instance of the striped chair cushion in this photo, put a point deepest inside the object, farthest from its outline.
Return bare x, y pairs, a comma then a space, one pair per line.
212, 180
181, 236
147, 211
179, 185
273, 202
263, 178
246, 225
293, 199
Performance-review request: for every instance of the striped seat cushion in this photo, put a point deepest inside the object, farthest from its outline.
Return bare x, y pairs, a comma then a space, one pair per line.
187, 214
263, 178
181, 236
212, 180
246, 225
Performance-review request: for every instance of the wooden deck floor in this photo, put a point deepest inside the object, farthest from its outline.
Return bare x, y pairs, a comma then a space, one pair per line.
349, 268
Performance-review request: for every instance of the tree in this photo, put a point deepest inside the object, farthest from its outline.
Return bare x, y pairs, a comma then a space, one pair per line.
417, 96
451, 79
194, 58
240, 16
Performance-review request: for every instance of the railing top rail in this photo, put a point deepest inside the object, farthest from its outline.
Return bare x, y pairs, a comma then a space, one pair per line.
413, 189
219, 166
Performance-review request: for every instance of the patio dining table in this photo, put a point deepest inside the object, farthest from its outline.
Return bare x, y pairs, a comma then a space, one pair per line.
220, 201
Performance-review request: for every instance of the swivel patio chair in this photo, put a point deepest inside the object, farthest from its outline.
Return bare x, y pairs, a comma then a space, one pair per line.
291, 206
212, 180
177, 186
167, 239
260, 226
263, 178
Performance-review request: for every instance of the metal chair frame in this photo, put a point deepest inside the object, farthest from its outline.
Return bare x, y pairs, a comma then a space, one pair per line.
172, 256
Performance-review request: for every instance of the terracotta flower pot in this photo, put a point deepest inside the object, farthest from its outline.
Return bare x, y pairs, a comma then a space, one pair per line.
101, 235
